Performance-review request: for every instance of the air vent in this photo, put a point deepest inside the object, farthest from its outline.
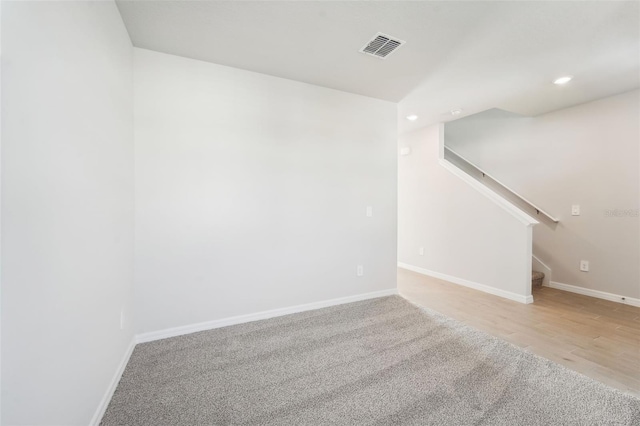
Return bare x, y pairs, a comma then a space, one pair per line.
381, 46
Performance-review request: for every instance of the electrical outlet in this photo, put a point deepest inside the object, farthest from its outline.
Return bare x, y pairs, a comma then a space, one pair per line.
421, 251
584, 265
360, 271
369, 211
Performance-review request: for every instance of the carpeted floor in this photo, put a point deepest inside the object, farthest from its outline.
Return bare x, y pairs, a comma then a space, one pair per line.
377, 362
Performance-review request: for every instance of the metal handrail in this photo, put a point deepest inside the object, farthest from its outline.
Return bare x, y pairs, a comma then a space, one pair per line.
485, 174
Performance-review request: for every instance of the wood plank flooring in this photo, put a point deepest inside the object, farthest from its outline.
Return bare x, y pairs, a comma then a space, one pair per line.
595, 337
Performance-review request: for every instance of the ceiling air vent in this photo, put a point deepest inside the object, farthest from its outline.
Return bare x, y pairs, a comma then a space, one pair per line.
381, 46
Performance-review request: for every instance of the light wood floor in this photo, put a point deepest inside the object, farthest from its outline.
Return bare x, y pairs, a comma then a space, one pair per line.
595, 337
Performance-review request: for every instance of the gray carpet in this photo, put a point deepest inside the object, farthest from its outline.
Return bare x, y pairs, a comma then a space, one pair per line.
377, 362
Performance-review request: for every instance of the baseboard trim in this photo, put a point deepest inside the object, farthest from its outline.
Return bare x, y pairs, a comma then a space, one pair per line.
104, 402
240, 319
466, 283
595, 293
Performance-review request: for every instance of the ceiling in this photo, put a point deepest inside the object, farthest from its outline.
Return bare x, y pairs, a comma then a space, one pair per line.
470, 55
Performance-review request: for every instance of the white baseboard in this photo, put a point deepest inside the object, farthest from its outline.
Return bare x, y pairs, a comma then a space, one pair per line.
209, 325
104, 402
476, 286
595, 293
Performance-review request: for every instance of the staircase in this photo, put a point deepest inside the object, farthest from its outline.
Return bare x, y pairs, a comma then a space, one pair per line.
536, 279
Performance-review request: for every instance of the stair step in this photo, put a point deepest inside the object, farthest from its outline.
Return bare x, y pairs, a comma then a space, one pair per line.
536, 278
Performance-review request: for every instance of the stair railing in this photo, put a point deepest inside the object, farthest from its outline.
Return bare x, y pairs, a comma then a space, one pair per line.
502, 187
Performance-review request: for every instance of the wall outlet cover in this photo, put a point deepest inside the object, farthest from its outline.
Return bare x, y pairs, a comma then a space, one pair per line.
584, 265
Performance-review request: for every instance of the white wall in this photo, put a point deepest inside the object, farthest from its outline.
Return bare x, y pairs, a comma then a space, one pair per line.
0, 215
67, 208
466, 236
586, 155
251, 192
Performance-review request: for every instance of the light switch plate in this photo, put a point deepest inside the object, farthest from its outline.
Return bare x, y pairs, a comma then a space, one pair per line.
369, 211
575, 210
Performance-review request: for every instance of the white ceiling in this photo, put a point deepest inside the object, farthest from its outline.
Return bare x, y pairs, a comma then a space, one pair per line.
472, 55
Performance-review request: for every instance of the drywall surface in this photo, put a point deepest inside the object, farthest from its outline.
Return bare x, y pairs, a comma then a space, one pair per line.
585, 155
67, 208
252, 191
464, 234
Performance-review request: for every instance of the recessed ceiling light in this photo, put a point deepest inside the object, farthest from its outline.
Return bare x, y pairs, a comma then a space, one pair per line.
563, 80
412, 117
456, 111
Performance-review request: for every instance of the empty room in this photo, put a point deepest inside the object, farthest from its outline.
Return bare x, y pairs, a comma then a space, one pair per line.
319, 213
